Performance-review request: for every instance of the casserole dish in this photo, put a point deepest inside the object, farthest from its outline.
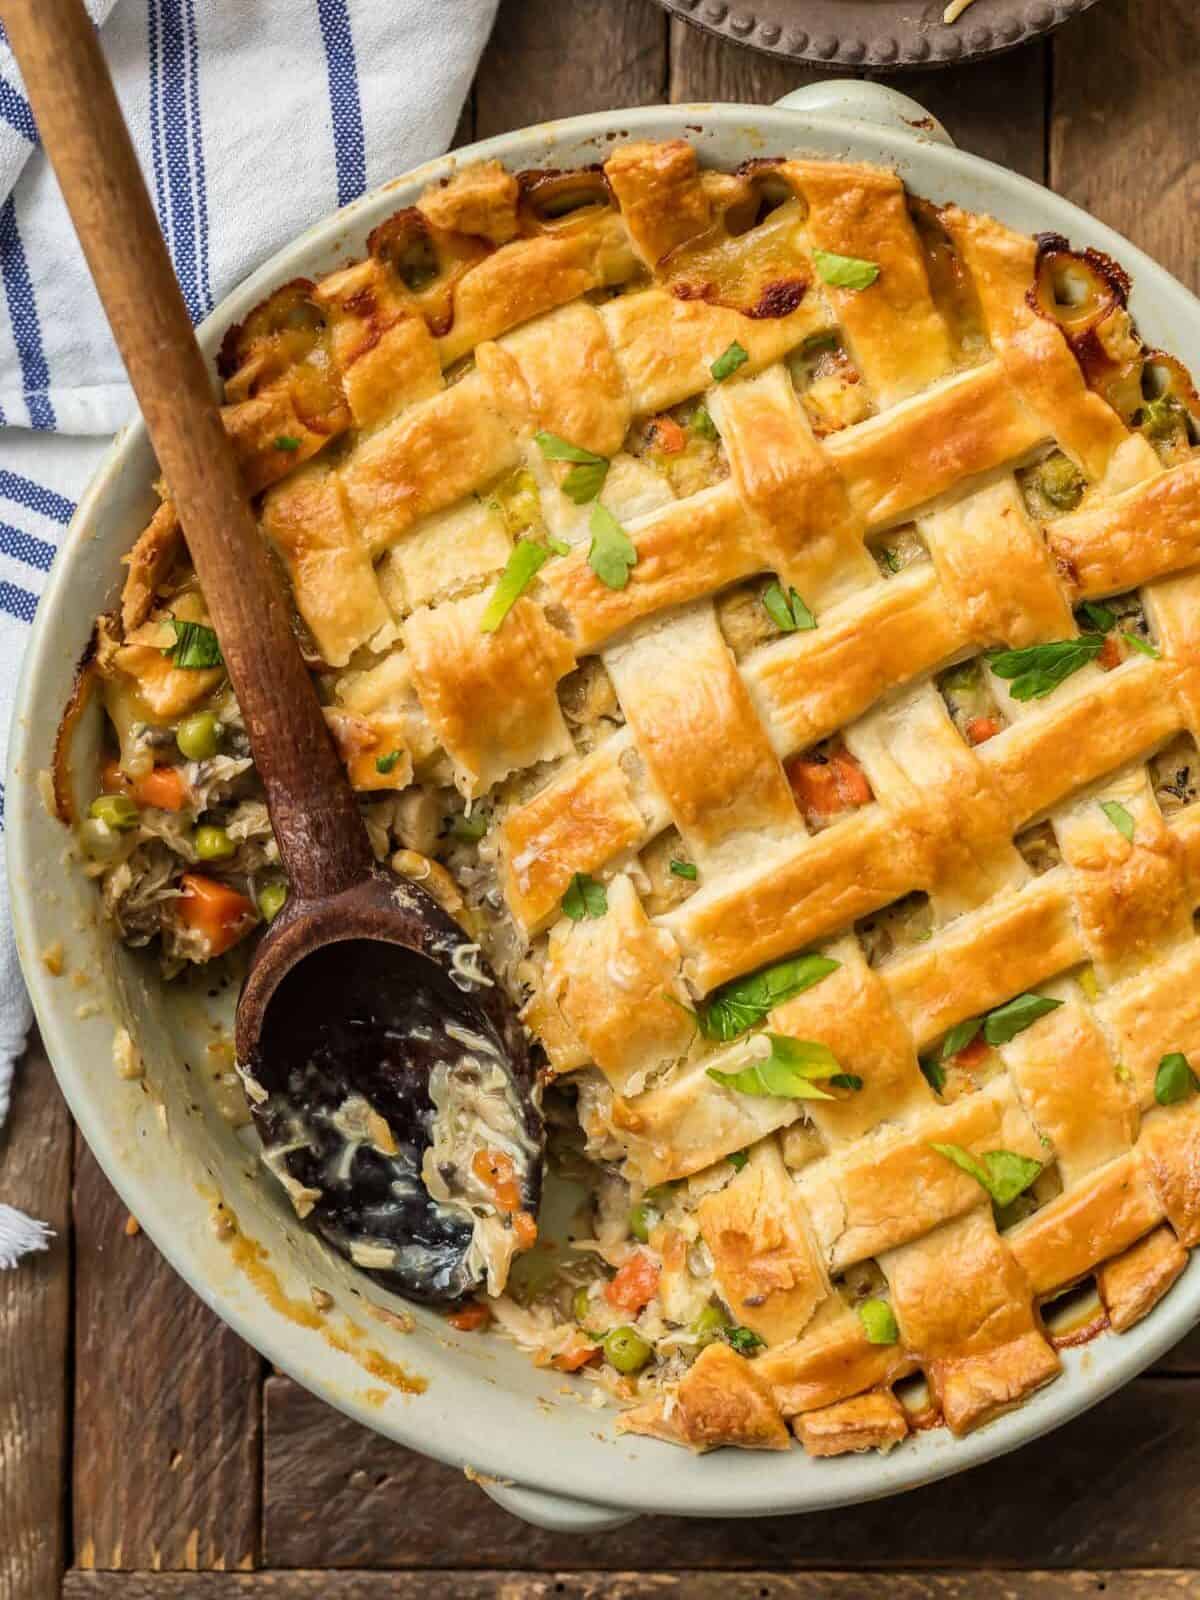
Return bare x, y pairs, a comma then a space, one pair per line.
166, 1147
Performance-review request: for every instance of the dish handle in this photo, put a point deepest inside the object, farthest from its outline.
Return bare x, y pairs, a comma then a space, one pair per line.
555, 1512
855, 100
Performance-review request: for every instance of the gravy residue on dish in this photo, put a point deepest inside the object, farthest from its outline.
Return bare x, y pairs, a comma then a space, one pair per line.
251, 1258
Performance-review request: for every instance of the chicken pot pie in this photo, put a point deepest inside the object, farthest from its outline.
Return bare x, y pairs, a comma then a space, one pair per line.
762, 607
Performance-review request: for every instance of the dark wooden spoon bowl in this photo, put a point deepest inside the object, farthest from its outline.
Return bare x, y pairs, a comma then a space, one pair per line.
405, 976
356, 950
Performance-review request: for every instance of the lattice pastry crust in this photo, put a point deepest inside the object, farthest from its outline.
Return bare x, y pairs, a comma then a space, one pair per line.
959, 455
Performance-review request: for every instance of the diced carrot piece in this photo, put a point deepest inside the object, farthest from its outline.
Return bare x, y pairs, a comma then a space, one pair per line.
470, 1318
825, 788
219, 913
164, 789
525, 1229
1110, 656
112, 779
972, 1054
815, 786
494, 1170
669, 437
981, 729
575, 1356
851, 779
635, 1284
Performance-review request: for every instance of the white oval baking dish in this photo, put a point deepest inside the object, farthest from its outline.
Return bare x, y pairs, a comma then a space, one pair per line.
169, 1153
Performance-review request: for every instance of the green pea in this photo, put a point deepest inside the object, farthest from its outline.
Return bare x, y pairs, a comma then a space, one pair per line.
649, 1209
1163, 418
710, 1324
198, 736
626, 1349
641, 1219
270, 900
115, 811
213, 844
581, 1306
1060, 482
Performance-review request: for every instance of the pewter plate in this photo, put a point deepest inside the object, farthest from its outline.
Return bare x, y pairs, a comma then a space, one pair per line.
865, 35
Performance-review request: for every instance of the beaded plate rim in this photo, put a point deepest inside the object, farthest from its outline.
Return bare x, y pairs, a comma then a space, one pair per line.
867, 35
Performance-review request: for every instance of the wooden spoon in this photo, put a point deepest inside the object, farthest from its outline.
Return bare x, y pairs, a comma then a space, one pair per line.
364, 988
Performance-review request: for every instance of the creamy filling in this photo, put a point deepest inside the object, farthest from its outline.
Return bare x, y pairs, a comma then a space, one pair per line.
481, 1154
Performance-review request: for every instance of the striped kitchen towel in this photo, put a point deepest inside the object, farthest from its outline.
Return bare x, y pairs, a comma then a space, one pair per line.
252, 119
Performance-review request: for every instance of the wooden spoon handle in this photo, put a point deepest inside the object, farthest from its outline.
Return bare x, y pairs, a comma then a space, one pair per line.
313, 811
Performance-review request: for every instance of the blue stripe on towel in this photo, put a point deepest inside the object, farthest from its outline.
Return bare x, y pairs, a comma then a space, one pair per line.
180, 191
205, 283
14, 108
24, 492
22, 311
156, 158
349, 144
24, 547
17, 602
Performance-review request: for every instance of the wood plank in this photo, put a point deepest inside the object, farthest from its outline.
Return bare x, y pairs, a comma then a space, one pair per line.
1165, 1584
546, 59
1183, 1358
167, 1406
35, 1320
336, 1495
1123, 131
704, 67
992, 108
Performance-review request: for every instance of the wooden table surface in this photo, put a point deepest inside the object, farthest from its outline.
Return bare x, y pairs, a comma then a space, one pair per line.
146, 1452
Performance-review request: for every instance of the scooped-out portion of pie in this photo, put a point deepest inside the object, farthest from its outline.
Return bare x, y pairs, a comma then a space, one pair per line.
764, 609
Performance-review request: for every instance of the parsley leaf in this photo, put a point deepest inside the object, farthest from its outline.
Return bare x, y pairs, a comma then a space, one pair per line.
523, 565
584, 898
1002, 1173
385, 764
1006, 1022
684, 869
1119, 817
555, 448
728, 362
196, 646
612, 552
787, 1072
879, 1322
959, 1038
288, 442
1099, 616
845, 1080
787, 611
586, 477
702, 424
559, 547
743, 1340
584, 483
737, 1007
844, 272
1143, 645
1039, 668
933, 1073
737, 1159
1174, 1080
